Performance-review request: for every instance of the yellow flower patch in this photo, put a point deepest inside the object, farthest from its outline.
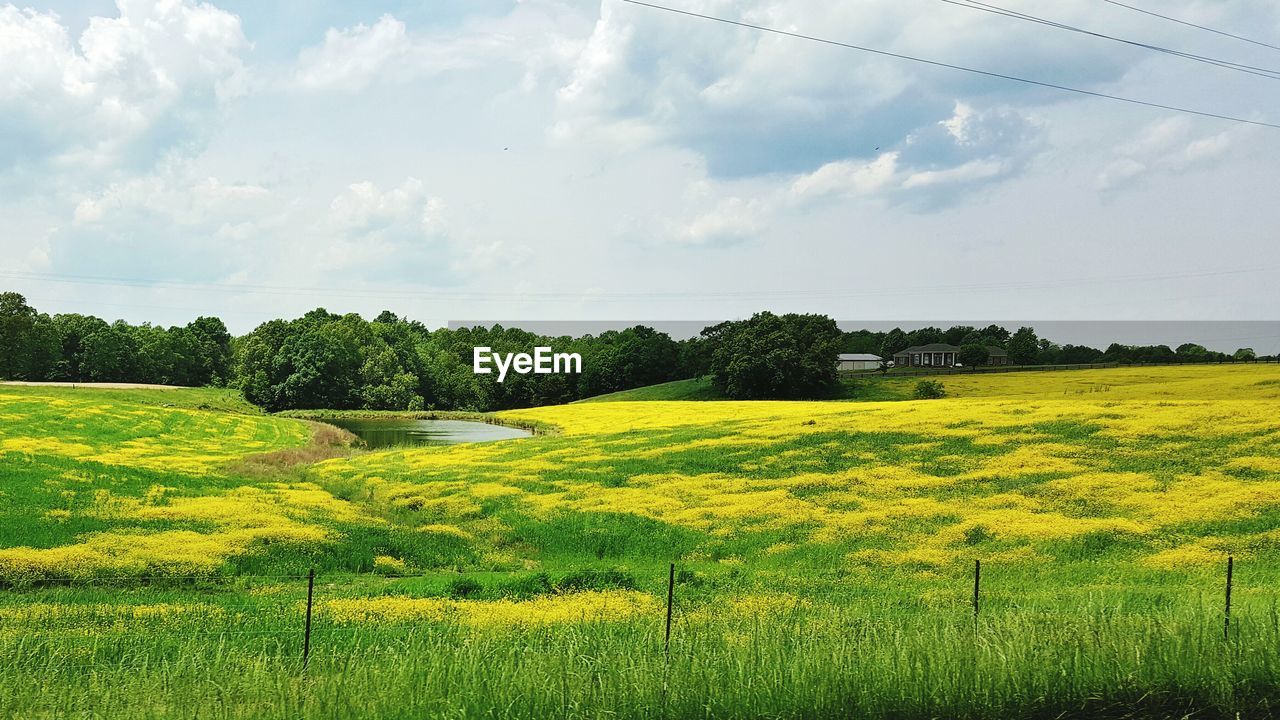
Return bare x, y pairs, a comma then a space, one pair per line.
596, 606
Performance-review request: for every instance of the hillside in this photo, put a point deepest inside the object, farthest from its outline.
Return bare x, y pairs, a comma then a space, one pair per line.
699, 389
825, 554
1184, 381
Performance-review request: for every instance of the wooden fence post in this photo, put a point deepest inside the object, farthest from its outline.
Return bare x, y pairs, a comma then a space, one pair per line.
306, 635
977, 579
1226, 618
671, 598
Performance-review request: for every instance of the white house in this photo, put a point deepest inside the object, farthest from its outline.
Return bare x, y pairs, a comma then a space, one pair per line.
858, 361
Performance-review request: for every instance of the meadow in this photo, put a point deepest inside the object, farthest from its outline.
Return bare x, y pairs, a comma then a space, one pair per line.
154, 547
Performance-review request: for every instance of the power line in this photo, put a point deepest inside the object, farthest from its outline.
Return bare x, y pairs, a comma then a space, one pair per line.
1226, 64
962, 68
1191, 24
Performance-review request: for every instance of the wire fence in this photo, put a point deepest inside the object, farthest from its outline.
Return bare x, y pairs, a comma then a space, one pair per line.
288, 626
993, 369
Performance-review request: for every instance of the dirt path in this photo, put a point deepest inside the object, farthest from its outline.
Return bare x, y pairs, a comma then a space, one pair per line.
100, 386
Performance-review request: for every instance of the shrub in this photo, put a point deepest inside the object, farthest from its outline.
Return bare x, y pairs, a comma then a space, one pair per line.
526, 586
388, 565
464, 587
581, 580
977, 535
929, 390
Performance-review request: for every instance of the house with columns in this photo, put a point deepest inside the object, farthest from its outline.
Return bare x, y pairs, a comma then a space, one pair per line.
943, 355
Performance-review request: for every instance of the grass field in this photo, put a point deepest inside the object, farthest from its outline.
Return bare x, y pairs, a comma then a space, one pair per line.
151, 554
865, 388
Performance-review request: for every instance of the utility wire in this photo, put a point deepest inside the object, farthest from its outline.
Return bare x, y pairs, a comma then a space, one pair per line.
1191, 24
962, 68
1226, 64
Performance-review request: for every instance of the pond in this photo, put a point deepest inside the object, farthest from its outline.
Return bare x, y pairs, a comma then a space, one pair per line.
384, 433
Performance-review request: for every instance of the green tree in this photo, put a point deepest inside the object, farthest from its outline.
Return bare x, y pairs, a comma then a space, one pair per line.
974, 355
925, 336
996, 335
214, 341
1023, 347
1192, 352
895, 341
771, 356
72, 329
956, 334
29, 347
862, 341
385, 385
1245, 354
645, 357
111, 355
319, 367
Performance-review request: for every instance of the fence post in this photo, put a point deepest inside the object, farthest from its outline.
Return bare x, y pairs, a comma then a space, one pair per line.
306, 636
1226, 618
671, 597
977, 579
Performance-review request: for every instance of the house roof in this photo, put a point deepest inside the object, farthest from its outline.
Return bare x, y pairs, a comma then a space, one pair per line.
932, 347
943, 347
847, 357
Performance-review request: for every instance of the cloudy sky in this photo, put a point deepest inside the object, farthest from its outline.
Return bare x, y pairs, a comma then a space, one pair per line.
554, 159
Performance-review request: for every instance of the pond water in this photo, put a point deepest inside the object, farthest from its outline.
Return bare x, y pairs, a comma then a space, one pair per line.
384, 433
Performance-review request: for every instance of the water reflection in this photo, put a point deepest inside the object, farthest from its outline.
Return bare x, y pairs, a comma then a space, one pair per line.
384, 433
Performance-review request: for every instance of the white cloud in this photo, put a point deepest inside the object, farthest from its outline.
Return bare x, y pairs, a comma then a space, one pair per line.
848, 178
181, 224
966, 150
351, 58
132, 88
733, 220
388, 232
364, 209
1168, 146
969, 172
754, 103
354, 58
180, 199
488, 256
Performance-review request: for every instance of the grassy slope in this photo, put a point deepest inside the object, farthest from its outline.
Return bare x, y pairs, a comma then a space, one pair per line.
865, 388
1174, 382
693, 389
825, 550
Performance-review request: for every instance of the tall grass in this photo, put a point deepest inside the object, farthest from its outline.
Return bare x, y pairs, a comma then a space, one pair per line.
878, 659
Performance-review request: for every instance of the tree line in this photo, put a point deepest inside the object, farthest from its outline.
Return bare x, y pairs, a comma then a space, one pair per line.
327, 360
1025, 347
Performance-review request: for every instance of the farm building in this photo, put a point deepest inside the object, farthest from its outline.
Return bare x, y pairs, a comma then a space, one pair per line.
858, 361
943, 355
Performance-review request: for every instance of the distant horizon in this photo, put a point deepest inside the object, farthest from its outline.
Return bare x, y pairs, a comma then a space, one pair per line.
1225, 336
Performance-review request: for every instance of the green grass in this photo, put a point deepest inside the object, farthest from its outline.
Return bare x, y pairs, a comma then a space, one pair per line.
214, 399
692, 389
800, 591
856, 655
868, 387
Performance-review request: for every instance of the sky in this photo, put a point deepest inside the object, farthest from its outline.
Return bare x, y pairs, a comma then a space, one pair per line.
566, 160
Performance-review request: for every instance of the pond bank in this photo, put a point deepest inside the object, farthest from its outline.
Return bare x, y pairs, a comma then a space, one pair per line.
532, 426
